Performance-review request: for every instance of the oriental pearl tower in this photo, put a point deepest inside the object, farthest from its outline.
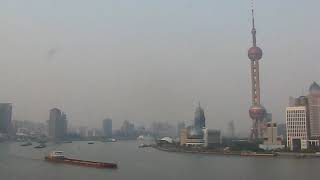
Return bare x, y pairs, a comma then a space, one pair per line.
256, 111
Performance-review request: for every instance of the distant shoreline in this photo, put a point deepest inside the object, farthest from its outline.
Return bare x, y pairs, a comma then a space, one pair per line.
252, 154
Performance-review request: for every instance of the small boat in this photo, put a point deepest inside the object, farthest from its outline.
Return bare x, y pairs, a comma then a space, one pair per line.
26, 144
140, 137
67, 141
110, 140
144, 145
58, 157
90, 142
40, 146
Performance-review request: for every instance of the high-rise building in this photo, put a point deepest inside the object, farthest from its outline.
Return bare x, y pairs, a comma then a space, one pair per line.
256, 111
199, 118
282, 131
83, 131
57, 124
297, 134
180, 126
127, 129
5, 117
314, 110
231, 129
107, 127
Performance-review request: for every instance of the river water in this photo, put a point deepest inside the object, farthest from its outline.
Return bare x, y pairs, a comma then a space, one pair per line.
26, 163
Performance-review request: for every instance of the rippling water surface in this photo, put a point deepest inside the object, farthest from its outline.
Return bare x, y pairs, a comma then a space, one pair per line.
24, 163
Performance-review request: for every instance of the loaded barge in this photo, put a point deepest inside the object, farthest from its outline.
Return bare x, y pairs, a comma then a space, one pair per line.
58, 157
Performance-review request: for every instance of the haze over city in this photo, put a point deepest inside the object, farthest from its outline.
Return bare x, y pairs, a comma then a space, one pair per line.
149, 61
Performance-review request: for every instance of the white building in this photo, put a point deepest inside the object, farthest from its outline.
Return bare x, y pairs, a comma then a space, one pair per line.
296, 121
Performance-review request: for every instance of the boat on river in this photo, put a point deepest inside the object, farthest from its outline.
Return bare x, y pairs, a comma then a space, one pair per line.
26, 144
42, 145
58, 157
249, 153
144, 145
109, 140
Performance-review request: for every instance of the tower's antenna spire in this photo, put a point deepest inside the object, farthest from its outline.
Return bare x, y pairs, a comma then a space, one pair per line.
253, 31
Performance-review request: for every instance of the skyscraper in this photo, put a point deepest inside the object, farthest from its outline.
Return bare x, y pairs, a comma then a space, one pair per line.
314, 110
297, 132
231, 129
256, 111
57, 124
298, 125
107, 127
199, 118
5, 117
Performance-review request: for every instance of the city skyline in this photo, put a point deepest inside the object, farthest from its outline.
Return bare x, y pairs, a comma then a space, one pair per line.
152, 69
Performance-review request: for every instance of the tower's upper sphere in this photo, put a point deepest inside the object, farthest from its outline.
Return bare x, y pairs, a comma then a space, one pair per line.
257, 112
255, 53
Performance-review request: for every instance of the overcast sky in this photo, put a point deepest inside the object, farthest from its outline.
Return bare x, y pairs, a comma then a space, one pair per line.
153, 60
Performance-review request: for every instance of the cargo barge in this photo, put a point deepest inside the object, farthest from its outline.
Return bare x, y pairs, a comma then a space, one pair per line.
58, 157
249, 153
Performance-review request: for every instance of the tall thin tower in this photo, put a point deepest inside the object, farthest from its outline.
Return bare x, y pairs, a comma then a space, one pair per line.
256, 111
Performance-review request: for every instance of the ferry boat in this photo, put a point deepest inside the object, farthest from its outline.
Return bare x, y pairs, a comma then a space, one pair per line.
249, 153
58, 157
26, 144
110, 140
42, 145
144, 145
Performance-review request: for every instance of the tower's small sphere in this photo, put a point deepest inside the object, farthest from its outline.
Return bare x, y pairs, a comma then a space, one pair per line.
255, 53
257, 112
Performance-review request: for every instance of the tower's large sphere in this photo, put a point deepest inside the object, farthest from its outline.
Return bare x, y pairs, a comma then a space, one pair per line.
255, 53
257, 112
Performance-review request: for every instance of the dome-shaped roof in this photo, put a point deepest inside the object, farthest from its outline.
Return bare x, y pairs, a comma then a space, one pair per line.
314, 87
255, 53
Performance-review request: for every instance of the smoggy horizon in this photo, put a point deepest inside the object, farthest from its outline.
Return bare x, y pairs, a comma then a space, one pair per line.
153, 61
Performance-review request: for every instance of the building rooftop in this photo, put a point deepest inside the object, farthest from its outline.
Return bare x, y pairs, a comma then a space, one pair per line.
314, 87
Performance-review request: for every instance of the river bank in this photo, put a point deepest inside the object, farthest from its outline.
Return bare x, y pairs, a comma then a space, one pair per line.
242, 153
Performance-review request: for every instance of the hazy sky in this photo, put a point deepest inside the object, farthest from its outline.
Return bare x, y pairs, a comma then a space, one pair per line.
153, 60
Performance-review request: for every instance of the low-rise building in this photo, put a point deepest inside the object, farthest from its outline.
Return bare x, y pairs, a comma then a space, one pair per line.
212, 138
271, 140
183, 136
203, 137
